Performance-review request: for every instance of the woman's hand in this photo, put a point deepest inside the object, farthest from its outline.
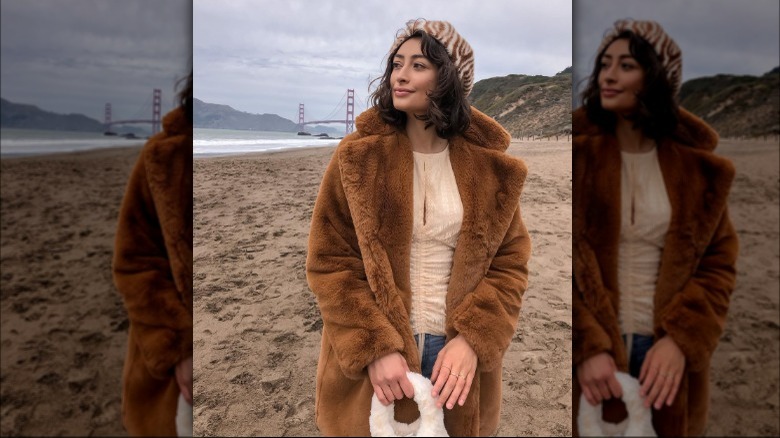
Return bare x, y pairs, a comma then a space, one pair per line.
661, 373
388, 377
453, 372
183, 373
597, 378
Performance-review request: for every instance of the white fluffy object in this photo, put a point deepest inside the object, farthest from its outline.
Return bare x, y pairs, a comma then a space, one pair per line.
638, 423
431, 422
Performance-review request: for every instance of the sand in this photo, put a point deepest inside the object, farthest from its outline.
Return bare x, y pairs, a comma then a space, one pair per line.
745, 389
257, 325
64, 329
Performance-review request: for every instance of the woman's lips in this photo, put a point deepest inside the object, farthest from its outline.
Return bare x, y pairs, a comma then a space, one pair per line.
608, 92
402, 92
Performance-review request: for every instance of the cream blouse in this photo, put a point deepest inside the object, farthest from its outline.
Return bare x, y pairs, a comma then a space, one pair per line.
645, 217
438, 215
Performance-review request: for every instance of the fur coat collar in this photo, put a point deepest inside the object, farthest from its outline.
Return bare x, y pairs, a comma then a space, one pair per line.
361, 234
696, 274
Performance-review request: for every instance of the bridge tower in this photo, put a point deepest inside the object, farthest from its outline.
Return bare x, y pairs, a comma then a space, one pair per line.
107, 116
156, 111
300, 117
350, 111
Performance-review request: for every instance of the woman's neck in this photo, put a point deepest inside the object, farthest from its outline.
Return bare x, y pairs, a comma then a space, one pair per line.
423, 140
631, 139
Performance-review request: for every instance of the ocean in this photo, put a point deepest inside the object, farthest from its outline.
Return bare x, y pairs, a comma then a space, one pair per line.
215, 142
207, 142
21, 142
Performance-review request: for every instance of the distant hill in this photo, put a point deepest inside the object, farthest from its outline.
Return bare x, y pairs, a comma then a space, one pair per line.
527, 105
24, 116
216, 116
736, 105
212, 115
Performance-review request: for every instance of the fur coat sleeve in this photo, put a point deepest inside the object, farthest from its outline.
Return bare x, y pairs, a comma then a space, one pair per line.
152, 257
487, 318
695, 316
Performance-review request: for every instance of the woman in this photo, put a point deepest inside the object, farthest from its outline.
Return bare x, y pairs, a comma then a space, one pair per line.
417, 252
153, 272
654, 249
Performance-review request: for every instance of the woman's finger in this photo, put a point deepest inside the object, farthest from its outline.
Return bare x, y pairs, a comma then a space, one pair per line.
395, 388
614, 386
380, 395
406, 386
676, 379
466, 389
666, 387
603, 390
447, 390
589, 395
649, 380
460, 382
653, 392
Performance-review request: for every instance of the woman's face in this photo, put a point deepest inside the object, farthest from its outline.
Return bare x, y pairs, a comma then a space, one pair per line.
412, 78
620, 78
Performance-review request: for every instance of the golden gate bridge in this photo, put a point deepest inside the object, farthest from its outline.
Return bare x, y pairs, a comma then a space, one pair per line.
348, 120
155, 120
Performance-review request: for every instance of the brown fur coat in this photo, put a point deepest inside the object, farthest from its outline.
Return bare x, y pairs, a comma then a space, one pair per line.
358, 267
153, 273
697, 271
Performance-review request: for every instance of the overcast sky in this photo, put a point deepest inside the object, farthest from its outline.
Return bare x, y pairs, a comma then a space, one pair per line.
73, 56
268, 56
715, 36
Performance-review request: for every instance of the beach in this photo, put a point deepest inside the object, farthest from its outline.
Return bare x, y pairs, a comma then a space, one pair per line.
745, 388
257, 324
64, 328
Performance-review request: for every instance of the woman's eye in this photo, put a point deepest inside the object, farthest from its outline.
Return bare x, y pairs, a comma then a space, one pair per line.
626, 66
396, 65
419, 66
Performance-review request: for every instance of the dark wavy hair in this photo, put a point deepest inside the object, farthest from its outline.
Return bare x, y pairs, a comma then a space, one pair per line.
657, 112
184, 97
449, 110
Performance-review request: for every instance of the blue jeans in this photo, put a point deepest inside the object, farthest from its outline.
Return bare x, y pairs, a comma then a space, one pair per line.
430, 350
640, 345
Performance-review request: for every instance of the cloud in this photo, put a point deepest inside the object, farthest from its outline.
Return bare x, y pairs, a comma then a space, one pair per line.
268, 56
76, 55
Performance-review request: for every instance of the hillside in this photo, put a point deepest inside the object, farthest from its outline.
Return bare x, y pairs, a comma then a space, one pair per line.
212, 115
736, 105
527, 105
24, 116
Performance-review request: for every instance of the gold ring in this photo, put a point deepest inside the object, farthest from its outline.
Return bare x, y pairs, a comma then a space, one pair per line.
453, 374
445, 366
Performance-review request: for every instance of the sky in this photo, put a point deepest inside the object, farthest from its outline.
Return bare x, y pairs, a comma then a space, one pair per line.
74, 56
715, 36
268, 56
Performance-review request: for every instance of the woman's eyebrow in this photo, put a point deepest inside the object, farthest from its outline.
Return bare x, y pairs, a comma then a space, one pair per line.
619, 56
413, 56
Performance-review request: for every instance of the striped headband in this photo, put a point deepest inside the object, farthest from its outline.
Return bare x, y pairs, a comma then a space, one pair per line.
667, 50
459, 50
